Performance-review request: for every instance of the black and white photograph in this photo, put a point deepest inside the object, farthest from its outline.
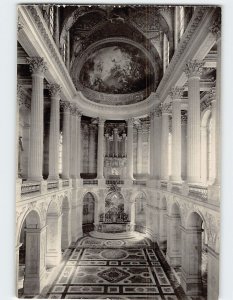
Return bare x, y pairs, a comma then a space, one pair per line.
118, 142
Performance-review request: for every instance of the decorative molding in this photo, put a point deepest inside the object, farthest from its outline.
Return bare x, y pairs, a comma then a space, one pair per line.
54, 89
65, 105
194, 68
215, 28
176, 93
166, 108
37, 65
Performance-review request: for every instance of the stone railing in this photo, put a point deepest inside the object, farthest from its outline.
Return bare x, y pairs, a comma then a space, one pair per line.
90, 181
65, 182
53, 185
139, 182
198, 192
163, 185
114, 181
29, 187
176, 187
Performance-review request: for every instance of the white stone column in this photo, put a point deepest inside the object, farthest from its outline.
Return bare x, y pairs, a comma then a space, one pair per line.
174, 240
163, 228
115, 141
193, 71
157, 142
66, 141
53, 245
164, 141
54, 131
139, 150
130, 149
152, 168
212, 275
73, 141
184, 145
79, 134
66, 228
123, 144
100, 152
91, 153
35, 261
35, 160
107, 144
212, 95
216, 31
191, 280
176, 94
17, 267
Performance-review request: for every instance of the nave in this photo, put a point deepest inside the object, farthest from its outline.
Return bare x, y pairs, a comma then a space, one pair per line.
115, 268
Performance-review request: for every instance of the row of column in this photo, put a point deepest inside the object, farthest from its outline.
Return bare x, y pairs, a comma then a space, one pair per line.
71, 132
160, 118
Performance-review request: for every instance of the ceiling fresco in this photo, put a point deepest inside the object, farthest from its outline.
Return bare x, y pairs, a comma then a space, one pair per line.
117, 69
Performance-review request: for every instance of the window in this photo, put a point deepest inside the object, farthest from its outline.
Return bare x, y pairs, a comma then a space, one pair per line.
60, 155
51, 19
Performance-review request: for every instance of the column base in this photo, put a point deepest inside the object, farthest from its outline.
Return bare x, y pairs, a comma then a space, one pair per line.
77, 182
33, 285
214, 194
174, 261
53, 259
128, 182
101, 181
192, 285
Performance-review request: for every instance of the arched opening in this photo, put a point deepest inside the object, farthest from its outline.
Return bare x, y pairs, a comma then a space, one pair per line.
31, 262
207, 148
88, 212
53, 245
174, 238
66, 224
163, 224
193, 272
140, 212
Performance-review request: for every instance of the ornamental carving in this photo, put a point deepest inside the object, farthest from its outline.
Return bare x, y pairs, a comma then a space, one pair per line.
23, 100
215, 28
158, 111
166, 108
74, 111
37, 65
65, 105
54, 90
176, 92
194, 68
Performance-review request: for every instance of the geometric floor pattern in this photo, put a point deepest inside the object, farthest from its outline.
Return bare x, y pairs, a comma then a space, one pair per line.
115, 269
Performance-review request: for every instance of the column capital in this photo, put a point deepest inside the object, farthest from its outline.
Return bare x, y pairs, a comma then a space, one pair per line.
65, 105
166, 108
37, 65
212, 94
151, 114
157, 111
75, 111
176, 93
130, 122
101, 121
215, 28
54, 90
194, 68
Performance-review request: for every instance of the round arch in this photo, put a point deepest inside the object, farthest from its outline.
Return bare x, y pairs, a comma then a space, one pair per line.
66, 223
89, 211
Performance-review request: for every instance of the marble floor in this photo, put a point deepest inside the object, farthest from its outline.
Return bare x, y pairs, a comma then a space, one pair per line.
115, 269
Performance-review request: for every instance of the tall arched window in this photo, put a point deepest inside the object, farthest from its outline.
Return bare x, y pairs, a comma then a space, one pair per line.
209, 150
60, 155
51, 19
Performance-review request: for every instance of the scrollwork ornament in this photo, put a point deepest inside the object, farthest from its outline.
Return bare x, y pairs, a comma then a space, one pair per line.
65, 105
176, 92
54, 90
215, 28
194, 68
37, 65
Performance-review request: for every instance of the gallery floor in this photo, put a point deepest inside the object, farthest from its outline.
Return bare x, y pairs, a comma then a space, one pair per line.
124, 268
